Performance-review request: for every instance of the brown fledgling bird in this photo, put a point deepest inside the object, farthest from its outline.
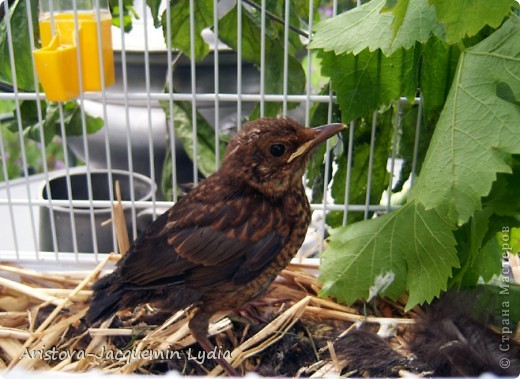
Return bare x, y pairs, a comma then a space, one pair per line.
222, 244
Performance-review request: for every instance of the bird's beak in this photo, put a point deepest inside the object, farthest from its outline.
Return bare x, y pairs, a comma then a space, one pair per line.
319, 135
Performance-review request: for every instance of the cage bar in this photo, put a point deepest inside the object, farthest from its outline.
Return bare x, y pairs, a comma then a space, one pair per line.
84, 131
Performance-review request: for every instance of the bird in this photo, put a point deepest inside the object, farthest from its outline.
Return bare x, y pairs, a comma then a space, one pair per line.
223, 243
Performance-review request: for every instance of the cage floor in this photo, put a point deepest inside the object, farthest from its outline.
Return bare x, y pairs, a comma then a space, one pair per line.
42, 329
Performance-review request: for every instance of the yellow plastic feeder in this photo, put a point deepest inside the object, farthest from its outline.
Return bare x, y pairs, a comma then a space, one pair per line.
57, 61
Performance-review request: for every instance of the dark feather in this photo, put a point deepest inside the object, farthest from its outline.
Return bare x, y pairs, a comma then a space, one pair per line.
151, 259
258, 257
106, 299
455, 339
371, 356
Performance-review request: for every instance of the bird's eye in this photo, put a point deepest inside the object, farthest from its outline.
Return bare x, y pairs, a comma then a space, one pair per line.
277, 149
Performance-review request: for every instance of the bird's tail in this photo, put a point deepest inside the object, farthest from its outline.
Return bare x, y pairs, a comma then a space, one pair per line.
105, 302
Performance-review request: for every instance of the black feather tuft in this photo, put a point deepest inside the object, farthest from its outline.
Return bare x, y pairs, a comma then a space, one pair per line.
455, 339
369, 355
105, 301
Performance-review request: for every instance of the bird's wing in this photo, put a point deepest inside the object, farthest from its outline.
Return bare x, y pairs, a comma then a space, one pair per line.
151, 258
202, 250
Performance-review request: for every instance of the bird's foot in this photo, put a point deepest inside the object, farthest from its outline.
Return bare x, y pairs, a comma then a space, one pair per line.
199, 329
266, 303
226, 366
249, 310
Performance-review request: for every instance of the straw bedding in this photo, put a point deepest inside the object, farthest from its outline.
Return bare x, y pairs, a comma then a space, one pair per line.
290, 331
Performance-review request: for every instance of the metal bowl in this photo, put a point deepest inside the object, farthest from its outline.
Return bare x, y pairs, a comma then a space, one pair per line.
77, 219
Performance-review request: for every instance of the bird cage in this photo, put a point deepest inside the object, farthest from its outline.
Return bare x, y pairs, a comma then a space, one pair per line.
110, 112
58, 187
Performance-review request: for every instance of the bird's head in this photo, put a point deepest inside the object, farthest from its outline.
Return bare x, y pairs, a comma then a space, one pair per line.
270, 154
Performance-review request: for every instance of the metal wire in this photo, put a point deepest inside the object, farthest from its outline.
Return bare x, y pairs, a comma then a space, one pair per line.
84, 132
262, 58
129, 149
350, 150
193, 93
370, 163
239, 64
216, 84
309, 69
105, 117
327, 158
199, 97
141, 204
171, 129
397, 127
67, 179
149, 104
416, 141
286, 57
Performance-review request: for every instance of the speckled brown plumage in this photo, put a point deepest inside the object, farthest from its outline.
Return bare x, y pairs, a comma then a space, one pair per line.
224, 242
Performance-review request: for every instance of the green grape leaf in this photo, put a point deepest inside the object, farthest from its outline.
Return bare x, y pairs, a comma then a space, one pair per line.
71, 119
485, 264
369, 27
368, 81
7, 106
498, 221
466, 18
398, 8
409, 249
183, 126
180, 26
128, 13
31, 127
73, 122
474, 258
477, 131
409, 145
154, 9
515, 241
439, 63
503, 198
21, 45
